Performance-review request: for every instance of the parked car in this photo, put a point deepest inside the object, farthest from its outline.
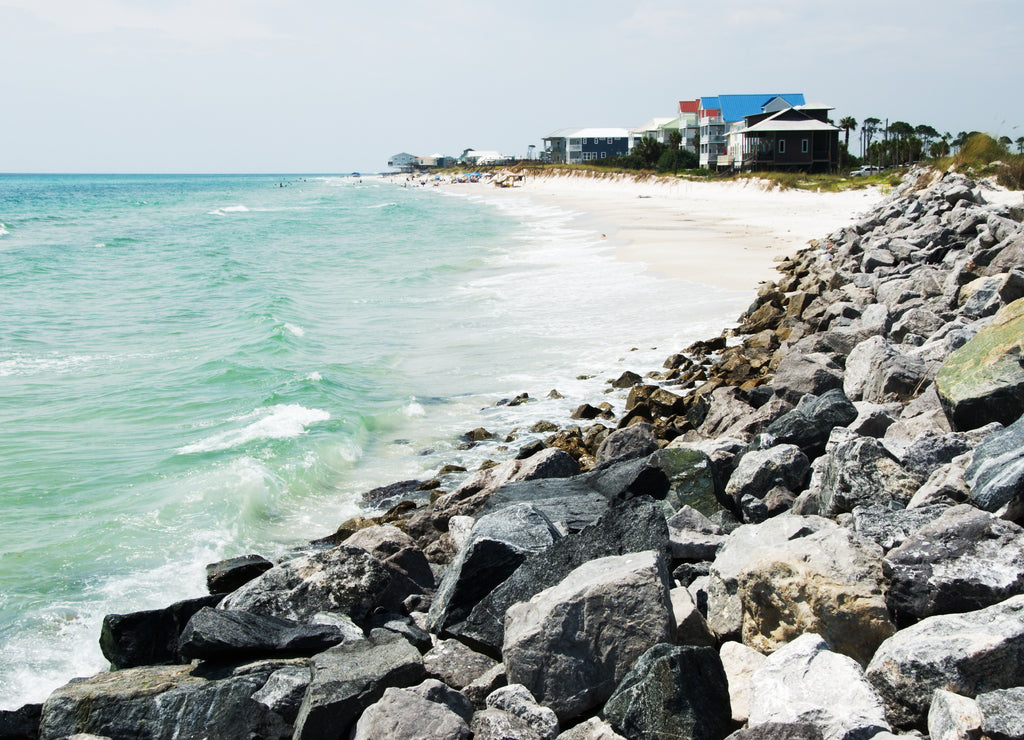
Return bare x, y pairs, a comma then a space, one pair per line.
864, 171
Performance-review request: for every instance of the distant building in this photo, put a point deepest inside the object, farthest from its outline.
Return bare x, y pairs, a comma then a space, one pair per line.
404, 162
794, 137
483, 157
718, 115
656, 128
578, 145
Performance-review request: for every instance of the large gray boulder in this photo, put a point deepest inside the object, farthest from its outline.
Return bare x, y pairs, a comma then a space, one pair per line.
809, 424
165, 701
515, 699
411, 714
231, 635
968, 653
352, 676
800, 373
877, 371
636, 440
342, 579
995, 476
633, 526
571, 644
740, 662
671, 692
805, 682
148, 637
497, 545
963, 560
1002, 713
890, 527
860, 472
594, 728
761, 470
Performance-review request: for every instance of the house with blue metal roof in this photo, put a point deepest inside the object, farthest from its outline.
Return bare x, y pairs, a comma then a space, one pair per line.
719, 114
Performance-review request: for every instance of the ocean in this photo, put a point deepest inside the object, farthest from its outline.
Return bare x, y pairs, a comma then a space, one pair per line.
199, 367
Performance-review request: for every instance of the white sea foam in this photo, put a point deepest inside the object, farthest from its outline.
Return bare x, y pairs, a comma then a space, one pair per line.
3, 229
380, 205
296, 330
24, 365
228, 209
277, 422
413, 409
315, 377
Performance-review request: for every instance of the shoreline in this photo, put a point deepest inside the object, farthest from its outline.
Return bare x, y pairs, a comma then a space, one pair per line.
686, 230
750, 397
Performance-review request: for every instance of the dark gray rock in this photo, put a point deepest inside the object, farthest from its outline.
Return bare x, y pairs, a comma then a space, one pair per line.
963, 560
692, 536
1002, 713
635, 525
693, 477
996, 473
970, 653
21, 723
636, 440
672, 692
861, 472
283, 691
165, 701
225, 576
799, 374
342, 579
779, 731
570, 503
403, 625
931, 450
761, 470
148, 637
890, 527
352, 676
620, 480
230, 635
410, 571
497, 545
809, 424
571, 644
594, 728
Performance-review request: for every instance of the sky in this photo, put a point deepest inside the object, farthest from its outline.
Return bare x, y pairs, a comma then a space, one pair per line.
332, 86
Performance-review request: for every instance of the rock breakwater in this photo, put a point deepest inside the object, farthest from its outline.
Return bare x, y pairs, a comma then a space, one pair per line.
806, 527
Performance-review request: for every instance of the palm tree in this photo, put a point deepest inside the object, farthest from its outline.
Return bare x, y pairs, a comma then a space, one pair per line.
848, 124
868, 131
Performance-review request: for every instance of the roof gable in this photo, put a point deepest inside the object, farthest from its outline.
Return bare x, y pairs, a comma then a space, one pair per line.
738, 107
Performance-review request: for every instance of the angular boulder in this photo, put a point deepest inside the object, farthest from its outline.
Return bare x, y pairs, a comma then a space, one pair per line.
342, 579
809, 424
148, 637
983, 381
455, 663
1002, 713
225, 576
761, 470
995, 476
352, 676
877, 371
968, 653
860, 472
407, 714
635, 525
571, 644
636, 440
497, 545
805, 682
963, 560
231, 635
800, 373
168, 701
671, 692
953, 717
515, 699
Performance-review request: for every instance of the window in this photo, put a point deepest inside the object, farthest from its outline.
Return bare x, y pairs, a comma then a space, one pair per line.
805, 146
782, 146
604, 154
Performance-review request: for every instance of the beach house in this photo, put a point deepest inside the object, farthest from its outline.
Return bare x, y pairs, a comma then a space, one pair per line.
789, 137
578, 145
719, 115
404, 162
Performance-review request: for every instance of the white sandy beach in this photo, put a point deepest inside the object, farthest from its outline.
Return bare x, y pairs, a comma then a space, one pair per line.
728, 235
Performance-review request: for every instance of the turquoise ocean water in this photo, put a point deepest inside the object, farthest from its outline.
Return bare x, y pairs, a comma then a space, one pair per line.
198, 367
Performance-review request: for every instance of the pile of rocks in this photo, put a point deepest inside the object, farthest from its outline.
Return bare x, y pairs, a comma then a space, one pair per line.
805, 528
